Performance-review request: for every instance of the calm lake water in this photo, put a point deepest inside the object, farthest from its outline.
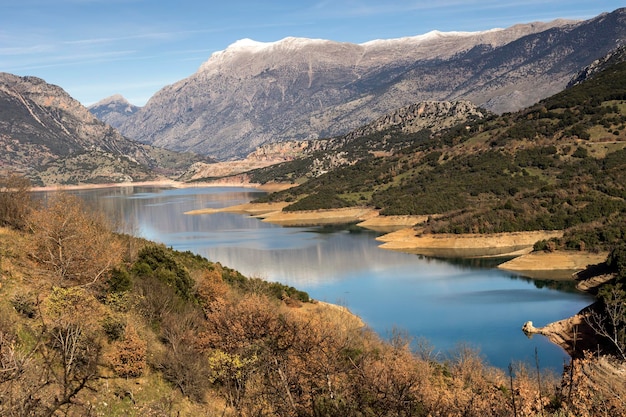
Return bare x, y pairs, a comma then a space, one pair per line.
446, 302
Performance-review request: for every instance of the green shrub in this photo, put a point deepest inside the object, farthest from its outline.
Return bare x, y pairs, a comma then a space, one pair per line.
156, 261
617, 261
25, 305
120, 280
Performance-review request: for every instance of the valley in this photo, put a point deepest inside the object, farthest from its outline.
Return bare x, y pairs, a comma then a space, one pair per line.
184, 257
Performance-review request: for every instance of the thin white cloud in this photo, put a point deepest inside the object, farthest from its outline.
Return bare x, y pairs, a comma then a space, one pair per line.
56, 61
26, 50
152, 36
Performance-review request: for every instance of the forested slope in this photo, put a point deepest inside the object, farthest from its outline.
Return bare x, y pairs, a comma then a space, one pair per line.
560, 164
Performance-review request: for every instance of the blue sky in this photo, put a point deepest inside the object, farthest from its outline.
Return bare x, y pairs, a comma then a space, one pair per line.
96, 48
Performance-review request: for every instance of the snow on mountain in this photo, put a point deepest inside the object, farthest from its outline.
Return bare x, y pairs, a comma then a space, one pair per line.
253, 92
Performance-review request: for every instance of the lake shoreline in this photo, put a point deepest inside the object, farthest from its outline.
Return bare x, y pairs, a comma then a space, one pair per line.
269, 187
399, 235
403, 237
326, 264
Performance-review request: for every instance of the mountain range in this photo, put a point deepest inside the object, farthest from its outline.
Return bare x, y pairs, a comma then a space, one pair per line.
254, 93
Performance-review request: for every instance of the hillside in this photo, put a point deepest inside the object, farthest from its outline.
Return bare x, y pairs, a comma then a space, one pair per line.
314, 157
253, 93
99, 323
560, 164
53, 139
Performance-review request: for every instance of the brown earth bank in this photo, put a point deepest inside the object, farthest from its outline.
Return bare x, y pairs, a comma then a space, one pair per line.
603, 374
573, 334
464, 245
553, 265
320, 217
272, 213
593, 362
388, 224
253, 209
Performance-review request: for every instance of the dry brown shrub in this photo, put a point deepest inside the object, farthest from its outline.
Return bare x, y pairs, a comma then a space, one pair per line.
15, 201
595, 387
72, 243
128, 356
211, 290
241, 323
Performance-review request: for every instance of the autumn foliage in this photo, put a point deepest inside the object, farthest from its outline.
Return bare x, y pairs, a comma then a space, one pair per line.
85, 331
73, 244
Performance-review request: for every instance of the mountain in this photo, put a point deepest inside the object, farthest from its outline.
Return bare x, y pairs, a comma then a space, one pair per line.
254, 93
113, 110
50, 137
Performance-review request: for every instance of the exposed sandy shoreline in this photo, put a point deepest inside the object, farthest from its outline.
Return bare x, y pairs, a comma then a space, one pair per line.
164, 183
464, 245
403, 238
363, 216
253, 209
272, 213
565, 262
388, 224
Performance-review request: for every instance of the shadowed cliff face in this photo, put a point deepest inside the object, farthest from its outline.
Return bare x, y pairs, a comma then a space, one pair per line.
297, 89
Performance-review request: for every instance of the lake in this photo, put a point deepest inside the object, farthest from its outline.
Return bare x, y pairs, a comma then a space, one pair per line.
447, 302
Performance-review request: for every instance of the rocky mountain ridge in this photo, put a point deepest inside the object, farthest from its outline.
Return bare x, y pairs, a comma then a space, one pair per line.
432, 115
614, 57
255, 93
50, 137
113, 110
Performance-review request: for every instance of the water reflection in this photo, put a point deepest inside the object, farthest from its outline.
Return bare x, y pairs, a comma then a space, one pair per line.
445, 301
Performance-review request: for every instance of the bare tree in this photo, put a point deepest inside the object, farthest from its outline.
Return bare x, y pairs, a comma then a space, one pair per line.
46, 375
610, 322
74, 243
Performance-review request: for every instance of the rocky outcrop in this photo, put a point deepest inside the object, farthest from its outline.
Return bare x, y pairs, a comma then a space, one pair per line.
614, 57
433, 115
573, 334
593, 369
301, 89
